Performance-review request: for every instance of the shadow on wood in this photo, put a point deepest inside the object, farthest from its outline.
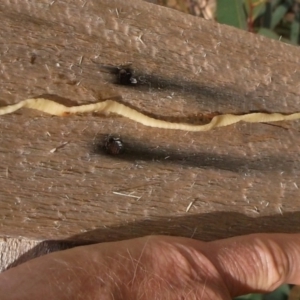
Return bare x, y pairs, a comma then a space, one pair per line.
205, 227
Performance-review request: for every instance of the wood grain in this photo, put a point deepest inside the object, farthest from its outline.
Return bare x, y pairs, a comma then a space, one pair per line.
241, 179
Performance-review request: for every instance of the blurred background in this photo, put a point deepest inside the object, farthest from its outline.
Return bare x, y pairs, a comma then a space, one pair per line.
275, 19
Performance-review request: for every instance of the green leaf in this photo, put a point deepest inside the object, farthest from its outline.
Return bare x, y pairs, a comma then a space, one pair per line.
255, 8
250, 297
278, 14
295, 30
231, 12
281, 293
268, 33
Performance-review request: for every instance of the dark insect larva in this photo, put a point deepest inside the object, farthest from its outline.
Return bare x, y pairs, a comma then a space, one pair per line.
113, 145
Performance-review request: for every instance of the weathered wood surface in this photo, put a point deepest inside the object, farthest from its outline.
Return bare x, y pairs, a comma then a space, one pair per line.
243, 178
14, 251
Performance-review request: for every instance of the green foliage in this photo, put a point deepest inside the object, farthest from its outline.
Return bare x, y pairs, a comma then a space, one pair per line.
276, 19
231, 12
282, 293
254, 9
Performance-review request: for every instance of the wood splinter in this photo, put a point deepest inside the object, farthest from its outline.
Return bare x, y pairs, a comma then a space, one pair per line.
110, 106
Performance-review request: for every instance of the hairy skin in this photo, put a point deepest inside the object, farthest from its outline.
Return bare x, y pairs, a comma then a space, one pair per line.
159, 267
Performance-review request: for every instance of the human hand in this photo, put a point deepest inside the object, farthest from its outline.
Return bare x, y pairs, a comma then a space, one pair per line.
159, 267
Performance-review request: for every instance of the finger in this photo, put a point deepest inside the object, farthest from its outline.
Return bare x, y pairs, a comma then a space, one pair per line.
153, 267
256, 263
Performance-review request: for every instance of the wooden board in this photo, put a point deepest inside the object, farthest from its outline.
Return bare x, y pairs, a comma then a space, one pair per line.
241, 179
